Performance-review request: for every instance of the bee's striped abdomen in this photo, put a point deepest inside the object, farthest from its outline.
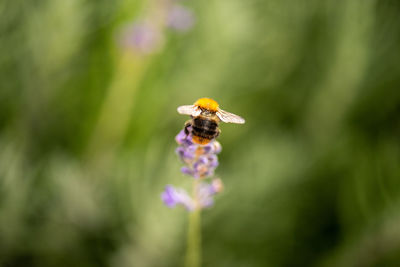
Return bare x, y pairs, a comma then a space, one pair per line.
204, 128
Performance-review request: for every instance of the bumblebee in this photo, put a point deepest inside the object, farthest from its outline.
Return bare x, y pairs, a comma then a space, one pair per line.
206, 115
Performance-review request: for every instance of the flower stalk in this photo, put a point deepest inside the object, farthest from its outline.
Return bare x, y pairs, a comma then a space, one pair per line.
193, 254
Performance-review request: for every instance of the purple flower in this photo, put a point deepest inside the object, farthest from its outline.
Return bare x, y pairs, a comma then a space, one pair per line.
172, 197
206, 192
187, 171
183, 139
213, 147
204, 196
200, 162
180, 18
142, 36
205, 166
186, 153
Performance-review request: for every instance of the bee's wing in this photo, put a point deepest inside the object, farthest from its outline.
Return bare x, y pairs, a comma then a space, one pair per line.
189, 110
228, 117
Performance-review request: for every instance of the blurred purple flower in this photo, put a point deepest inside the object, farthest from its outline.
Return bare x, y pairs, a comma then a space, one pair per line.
141, 36
172, 197
203, 197
180, 18
217, 185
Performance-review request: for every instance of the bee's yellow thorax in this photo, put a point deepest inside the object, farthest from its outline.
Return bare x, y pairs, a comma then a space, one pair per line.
207, 103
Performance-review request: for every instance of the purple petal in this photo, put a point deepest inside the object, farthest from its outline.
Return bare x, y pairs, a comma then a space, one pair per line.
205, 195
181, 137
213, 161
168, 196
208, 173
201, 161
172, 197
189, 152
187, 171
184, 153
214, 147
207, 148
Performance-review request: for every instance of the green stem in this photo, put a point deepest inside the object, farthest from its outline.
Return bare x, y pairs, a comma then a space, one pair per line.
193, 256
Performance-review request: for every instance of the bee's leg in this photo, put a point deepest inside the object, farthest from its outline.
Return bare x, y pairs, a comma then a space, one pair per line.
187, 125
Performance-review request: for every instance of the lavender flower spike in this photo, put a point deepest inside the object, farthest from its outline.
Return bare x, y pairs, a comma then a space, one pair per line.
200, 163
200, 160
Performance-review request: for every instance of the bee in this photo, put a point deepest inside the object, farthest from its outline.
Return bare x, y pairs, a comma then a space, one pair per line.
206, 115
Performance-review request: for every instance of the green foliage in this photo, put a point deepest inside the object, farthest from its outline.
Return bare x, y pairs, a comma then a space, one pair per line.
87, 133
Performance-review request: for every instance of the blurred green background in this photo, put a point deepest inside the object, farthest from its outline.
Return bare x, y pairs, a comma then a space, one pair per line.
87, 133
